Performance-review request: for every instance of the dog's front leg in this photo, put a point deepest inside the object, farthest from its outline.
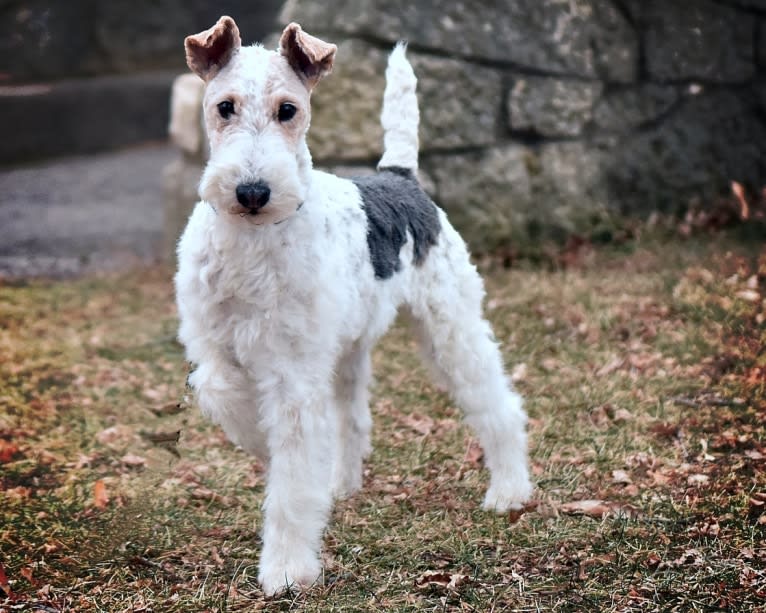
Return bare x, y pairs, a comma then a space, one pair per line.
298, 495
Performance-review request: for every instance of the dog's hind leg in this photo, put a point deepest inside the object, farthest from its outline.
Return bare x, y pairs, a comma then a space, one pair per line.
459, 344
352, 378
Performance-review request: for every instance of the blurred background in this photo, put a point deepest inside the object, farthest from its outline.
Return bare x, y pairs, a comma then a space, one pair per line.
543, 121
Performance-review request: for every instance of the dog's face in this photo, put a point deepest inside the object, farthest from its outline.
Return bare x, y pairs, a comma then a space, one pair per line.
257, 112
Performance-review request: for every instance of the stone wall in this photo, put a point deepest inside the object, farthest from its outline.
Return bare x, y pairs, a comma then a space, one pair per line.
81, 76
42, 40
546, 118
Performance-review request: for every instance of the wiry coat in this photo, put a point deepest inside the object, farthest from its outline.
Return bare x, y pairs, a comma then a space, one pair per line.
279, 316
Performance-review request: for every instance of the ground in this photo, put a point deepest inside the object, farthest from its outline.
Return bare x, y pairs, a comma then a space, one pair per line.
81, 214
644, 374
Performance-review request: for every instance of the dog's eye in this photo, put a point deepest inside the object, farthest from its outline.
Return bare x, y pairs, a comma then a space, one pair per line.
226, 109
286, 111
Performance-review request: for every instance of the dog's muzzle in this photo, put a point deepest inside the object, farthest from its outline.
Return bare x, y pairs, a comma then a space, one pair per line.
253, 196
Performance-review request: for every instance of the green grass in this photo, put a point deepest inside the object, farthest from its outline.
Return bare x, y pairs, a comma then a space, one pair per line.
644, 373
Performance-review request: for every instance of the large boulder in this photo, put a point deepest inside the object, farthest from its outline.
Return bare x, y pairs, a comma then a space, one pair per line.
345, 107
457, 103
589, 39
552, 107
523, 196
635, 107
699, 39
711, 139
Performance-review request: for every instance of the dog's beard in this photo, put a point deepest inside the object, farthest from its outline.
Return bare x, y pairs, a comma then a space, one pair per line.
288, 191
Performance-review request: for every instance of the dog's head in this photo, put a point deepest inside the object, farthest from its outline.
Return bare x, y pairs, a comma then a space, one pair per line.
257, 112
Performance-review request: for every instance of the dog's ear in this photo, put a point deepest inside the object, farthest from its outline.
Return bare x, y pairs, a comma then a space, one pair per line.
309, 56
209, 51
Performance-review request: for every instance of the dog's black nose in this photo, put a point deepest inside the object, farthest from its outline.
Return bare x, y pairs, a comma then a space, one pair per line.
253, 196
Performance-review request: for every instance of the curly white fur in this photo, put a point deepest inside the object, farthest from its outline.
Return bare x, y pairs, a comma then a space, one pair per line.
279, 318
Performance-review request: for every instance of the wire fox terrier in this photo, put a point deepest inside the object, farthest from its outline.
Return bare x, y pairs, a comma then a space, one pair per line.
288, 276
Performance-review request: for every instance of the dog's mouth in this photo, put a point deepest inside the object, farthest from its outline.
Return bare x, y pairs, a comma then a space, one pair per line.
265, 215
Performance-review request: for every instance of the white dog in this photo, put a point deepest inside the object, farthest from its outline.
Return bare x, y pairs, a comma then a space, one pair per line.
288, 276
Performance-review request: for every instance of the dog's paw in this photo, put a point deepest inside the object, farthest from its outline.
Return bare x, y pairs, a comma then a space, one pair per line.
276, 578
510, 495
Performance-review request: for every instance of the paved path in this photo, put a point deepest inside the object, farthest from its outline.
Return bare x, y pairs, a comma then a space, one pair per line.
82, 214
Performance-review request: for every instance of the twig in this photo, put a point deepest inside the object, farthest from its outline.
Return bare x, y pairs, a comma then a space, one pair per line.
710, 402
142, 561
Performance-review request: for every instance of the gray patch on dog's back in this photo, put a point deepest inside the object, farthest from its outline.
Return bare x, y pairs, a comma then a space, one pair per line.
395, 203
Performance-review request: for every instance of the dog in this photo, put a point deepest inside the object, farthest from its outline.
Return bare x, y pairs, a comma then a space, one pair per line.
287, 277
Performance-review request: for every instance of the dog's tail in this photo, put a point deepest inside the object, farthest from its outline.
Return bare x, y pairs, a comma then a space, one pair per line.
400, 116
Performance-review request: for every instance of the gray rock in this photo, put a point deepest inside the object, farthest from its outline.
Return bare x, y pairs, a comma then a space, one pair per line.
83, 115
522, 196
133, 37
186, 128
633, 107
748, 4
761, 43
82, 213
712, 139
459, 102
345, 107
453, 98
588, 38
552, 107
760, 93
180, 179
40, 39
698, 39
486, 195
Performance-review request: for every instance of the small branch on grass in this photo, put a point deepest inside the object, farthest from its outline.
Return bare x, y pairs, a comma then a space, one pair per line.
707, 402
162, 437
142, 561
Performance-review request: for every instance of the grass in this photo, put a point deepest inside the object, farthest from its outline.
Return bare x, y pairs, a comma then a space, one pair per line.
644, 373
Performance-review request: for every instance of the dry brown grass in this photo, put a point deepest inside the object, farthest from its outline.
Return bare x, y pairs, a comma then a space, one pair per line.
644, 374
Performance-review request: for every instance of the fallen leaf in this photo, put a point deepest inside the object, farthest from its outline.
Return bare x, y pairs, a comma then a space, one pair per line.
18, 493
162, 437
697, 479
7, 451
26, 572
4, 586
203, 493
709, 529
666, 430
748, 295
441, 578
114, 434
690, 556
621, 416
100, 496
216, 556
614, 364
169, 408
474, 454
739, 194
653, 560
597, 509
133, 461
519, 372
422, 424
621, 476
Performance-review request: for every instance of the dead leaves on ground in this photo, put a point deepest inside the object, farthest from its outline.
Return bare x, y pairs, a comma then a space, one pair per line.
441, 579
689, 473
